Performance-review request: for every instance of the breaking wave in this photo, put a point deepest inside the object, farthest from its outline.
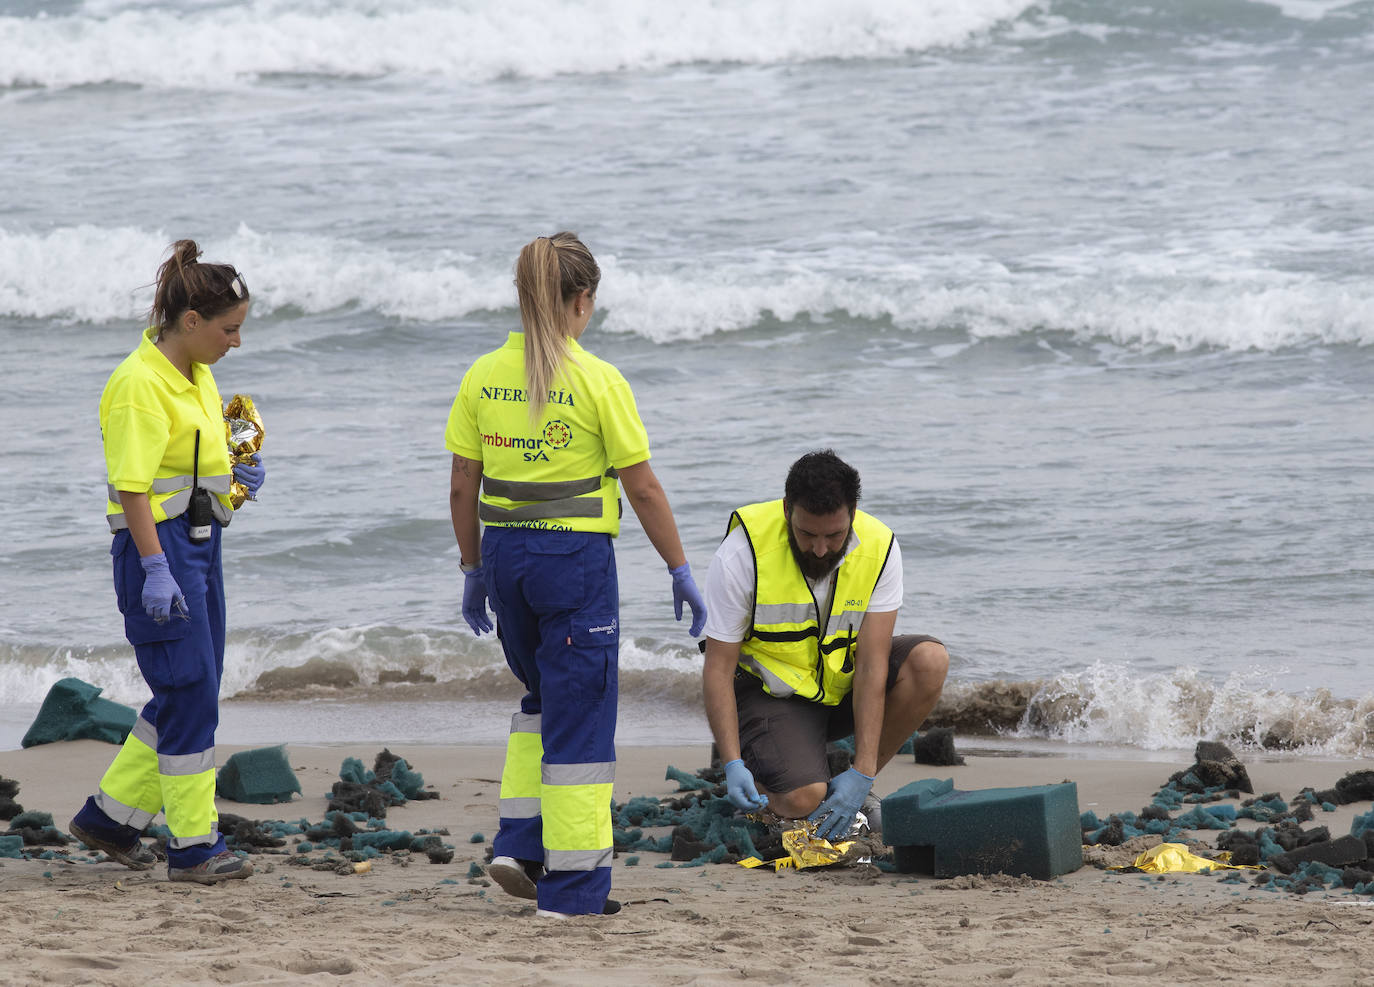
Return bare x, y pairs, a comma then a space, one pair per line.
1112, 706
1130, 298
225, 45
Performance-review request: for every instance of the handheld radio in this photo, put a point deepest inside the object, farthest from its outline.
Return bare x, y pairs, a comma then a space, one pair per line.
199, 513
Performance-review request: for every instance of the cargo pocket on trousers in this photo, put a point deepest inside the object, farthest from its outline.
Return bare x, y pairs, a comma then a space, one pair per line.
595, 656
554, 578
164, 665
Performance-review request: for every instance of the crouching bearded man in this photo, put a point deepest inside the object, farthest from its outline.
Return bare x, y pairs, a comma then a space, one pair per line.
802, 599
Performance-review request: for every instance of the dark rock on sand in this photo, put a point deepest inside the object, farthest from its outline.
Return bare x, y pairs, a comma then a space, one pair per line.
9, 808
936, 746
838, 759
315, 672
686, 846
389, 676
1216, 767
1358, 786
1245, 853
249, 835
1279, 736
1352, 876
351, 797
1343, 852
986, 708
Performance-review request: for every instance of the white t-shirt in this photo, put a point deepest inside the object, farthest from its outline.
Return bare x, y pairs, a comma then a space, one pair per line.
730, 586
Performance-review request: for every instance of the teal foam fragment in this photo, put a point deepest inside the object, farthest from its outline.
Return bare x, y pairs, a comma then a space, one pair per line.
409, 782
262, 776
73, 710
937, 829
355, 771
687, 782
33, 819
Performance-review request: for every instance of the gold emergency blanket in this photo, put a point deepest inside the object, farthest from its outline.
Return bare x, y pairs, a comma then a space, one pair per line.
244, 433
1174, 858
805, 849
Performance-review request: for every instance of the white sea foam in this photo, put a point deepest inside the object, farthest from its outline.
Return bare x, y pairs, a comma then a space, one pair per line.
227, 44
1115, 705
1112, 705
1312, 10
1181, 298
450, 657
283, 271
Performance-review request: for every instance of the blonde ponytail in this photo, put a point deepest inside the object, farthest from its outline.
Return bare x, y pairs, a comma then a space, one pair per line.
550, 272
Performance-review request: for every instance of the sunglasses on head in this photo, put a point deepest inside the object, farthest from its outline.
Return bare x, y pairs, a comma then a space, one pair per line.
239, 286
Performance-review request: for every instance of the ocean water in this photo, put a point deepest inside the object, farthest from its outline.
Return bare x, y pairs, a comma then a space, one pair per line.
1082, 289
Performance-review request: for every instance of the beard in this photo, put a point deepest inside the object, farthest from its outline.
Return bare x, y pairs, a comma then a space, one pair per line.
816, 566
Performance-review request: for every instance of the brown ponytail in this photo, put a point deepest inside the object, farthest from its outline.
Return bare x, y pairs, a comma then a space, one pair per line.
550, 272
185, 284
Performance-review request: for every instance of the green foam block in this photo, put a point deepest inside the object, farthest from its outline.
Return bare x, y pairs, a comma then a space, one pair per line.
936, 829
261, 776
73, 710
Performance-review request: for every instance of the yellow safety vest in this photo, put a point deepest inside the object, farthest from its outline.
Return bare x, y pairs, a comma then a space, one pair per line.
149, 416
558, 473
788, 647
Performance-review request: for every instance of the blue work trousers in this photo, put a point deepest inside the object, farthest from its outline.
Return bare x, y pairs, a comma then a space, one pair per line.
182, 660
556, 600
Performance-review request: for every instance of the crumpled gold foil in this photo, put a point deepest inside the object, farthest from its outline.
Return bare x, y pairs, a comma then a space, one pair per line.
244, 432
809, 850
806, 849
1172, 858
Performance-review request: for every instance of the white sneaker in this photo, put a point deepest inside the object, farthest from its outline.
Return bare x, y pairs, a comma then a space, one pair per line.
513, 876
610, 908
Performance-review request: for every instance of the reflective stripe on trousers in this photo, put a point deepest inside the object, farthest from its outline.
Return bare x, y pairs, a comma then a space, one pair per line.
168, 759
520, 779
141, 782
555, 597
577, 826
576, 834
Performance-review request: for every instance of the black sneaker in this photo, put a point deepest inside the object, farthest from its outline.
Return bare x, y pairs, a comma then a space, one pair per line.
136, 857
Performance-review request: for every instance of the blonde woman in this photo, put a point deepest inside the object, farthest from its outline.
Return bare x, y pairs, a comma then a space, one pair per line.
543, 433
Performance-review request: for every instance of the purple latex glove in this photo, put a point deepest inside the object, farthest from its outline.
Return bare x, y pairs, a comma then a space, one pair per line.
251, 475
475, 601
685, 590
161, 594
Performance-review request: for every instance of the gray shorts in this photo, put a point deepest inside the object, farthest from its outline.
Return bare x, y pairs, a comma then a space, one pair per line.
782, 741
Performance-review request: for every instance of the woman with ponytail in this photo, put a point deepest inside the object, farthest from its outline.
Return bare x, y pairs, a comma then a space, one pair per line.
168, 475
542, 435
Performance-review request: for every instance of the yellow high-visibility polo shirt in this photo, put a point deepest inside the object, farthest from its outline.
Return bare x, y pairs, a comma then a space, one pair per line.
557, 472
149, 414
